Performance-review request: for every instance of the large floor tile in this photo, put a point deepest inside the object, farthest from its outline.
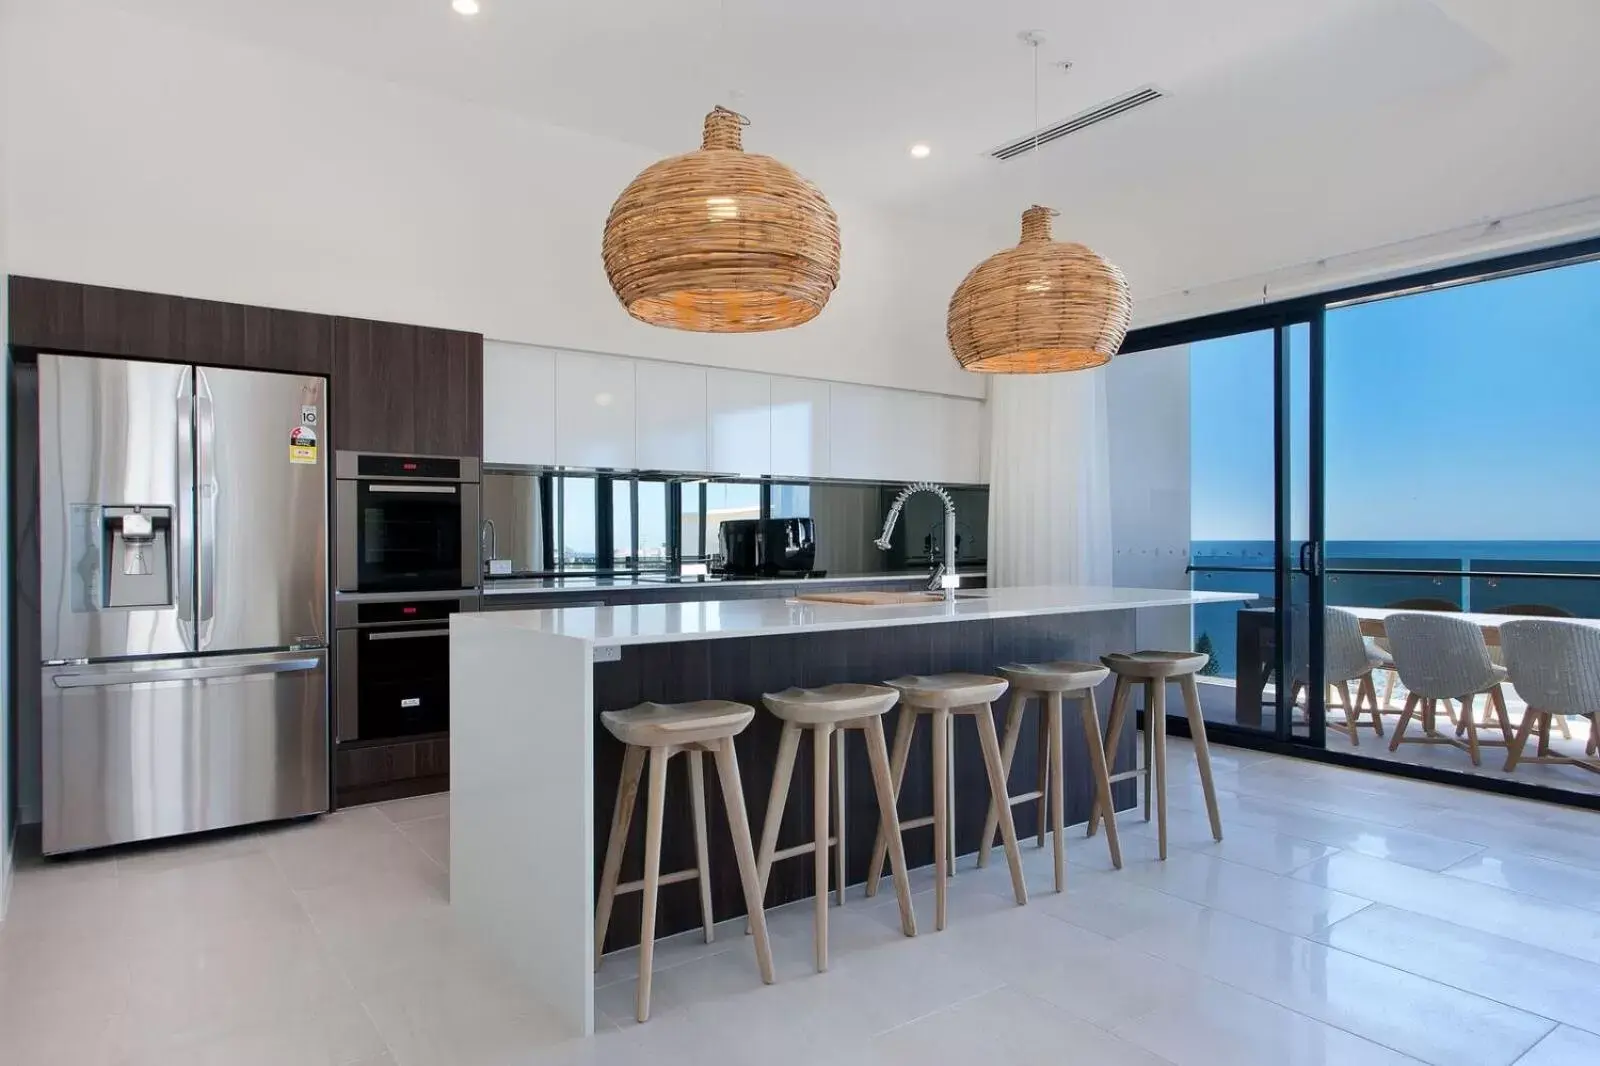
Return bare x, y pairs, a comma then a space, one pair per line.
1189, 828
1095, 978
1382, 1004
1347, 833
1557, 927
358, 846
1547, 879
1113, 905
416, 808
1215, 1025
432, 836
1004, 1027
1533, 979
1269, 899
1565, 1047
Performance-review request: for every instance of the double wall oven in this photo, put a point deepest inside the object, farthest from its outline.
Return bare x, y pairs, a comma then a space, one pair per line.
405, 559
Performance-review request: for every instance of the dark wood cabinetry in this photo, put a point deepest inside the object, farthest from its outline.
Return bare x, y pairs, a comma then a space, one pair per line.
62, 316
407, 389
395, 388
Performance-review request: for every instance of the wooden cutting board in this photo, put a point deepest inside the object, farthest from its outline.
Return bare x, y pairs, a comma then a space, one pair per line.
872, 599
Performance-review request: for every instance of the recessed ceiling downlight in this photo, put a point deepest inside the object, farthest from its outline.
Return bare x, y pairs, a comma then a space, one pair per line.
920, 151
465, 7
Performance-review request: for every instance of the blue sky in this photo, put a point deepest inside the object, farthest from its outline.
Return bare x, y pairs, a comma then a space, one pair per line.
1469, 413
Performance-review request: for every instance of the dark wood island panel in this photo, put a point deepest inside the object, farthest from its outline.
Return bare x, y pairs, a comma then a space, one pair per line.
742, 669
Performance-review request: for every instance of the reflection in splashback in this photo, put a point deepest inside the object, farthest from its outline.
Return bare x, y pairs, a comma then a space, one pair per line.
545, 521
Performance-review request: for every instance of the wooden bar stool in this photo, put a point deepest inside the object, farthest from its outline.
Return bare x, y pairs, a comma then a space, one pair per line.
1155, 670
941, 697
662, 731
1053, 683
829, 712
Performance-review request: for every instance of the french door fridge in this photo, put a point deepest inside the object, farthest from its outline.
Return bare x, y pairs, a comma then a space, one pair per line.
183, 599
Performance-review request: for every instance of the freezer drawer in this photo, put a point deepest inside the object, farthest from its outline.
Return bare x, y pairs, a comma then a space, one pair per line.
136, 751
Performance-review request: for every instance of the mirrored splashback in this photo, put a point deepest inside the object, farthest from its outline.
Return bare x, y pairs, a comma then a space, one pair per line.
541, 522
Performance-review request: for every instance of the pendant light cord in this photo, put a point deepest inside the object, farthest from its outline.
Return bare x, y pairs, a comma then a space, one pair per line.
1038, 161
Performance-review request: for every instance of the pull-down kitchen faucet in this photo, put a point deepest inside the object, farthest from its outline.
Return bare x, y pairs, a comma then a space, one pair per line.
945, 576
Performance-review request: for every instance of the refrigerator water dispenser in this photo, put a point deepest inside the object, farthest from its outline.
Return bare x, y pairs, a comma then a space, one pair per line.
135, 557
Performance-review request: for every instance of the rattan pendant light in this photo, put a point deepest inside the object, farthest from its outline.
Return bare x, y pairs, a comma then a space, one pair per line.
1043, 306
721, 240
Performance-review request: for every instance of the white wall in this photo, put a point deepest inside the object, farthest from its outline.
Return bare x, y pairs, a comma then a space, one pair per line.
1147, 401
153, 157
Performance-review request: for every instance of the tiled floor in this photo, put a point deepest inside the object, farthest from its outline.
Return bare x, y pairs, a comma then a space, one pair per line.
1346, 918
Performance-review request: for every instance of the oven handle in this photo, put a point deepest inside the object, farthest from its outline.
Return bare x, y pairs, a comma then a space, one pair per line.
412, 634
434, 490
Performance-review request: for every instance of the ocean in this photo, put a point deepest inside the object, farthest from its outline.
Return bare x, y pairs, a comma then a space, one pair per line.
1577, 595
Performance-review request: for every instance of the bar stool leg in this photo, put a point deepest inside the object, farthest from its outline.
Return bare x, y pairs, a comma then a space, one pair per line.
739, 827
1102, 776
950, 792
1121, 696
777, 799
897, 768
1156, 722
941, 814
1202, 752
1045, 761
997, 790
1150, 698
821, 790
1008, 754
621, 819
697, 797
883, 785
1055, 775
839, 802
659, 757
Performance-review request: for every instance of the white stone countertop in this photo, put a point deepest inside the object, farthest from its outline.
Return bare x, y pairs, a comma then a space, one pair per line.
664, 623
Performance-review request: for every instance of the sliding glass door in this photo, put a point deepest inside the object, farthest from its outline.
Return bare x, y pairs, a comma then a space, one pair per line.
1425, 446
1253, 528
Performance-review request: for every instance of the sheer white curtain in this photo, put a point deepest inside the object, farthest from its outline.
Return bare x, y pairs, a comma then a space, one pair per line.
1049, 480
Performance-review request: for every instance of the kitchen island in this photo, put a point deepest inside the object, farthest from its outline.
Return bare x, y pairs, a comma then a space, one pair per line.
534, 775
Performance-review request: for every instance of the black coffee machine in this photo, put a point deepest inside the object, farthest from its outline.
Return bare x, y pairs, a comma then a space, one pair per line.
771, 547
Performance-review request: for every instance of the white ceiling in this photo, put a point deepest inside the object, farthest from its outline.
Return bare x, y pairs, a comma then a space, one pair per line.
1293, 129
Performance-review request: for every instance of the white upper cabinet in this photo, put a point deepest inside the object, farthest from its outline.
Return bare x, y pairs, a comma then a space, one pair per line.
864, 430
894, 435
544, 407
739, 417
519, 404
595, 405
963, 441
671, 417
800, 428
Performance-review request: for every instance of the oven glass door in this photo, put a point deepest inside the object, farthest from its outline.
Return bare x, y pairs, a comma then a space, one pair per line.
402, 681
408, 537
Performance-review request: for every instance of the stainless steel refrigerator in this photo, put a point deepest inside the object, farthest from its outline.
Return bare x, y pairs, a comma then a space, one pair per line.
183, 598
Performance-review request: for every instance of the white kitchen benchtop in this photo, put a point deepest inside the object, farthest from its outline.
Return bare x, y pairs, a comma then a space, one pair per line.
665, 623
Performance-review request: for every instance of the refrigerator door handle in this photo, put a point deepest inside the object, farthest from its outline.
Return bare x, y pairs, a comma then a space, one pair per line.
184, 416
206, 527
185, 673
